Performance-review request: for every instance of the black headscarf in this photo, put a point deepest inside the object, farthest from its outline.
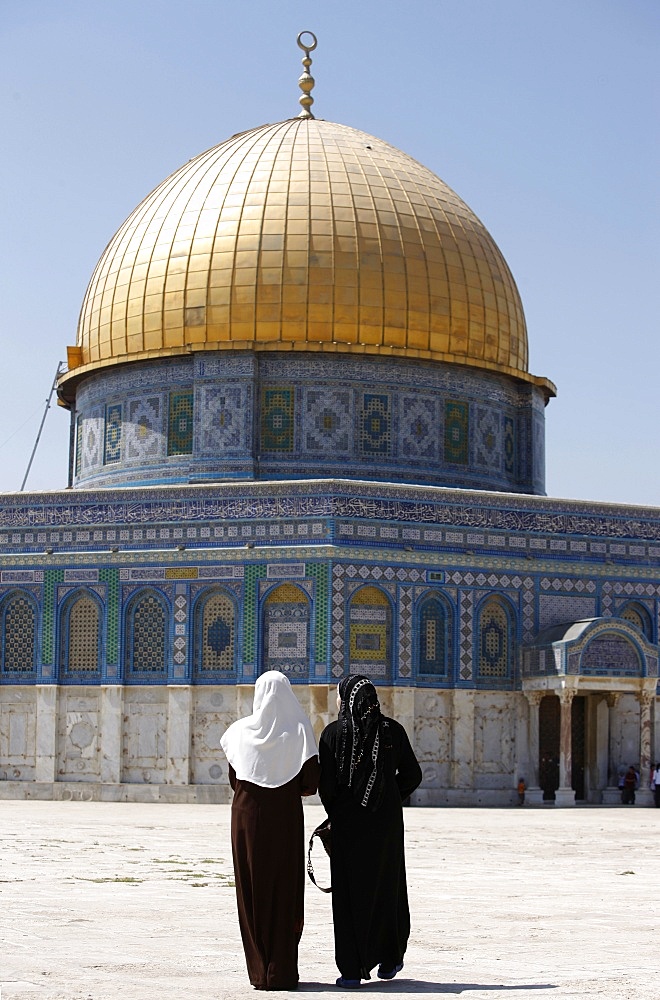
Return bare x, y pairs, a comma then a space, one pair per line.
360, 758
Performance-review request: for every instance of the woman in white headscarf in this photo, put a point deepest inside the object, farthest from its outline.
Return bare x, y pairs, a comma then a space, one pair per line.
273, 761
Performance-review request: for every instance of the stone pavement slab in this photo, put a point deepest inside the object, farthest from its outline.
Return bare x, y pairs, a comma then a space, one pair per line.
106, 900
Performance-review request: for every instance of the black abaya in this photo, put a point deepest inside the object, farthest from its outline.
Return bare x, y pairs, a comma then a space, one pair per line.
369, 892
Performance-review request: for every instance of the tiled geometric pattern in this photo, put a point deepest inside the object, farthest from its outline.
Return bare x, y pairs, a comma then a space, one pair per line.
322, 407
110, 577
214, 632
318, 571
610, 656
434, 637
253, 573
277, 412
327, 421
286, 631
421, 432
638, 615
146, 635
554, 609
466, 627
90, 439
488, 438
456, 432
51, 578
222, 419
143, 429
510, 448
18, 631
79, 445
112, 449
375, 431
180, 424
494, 640
81, 636
370, 633
406, 630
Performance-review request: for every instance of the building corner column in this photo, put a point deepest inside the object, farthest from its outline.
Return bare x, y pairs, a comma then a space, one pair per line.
534, 793
462, 757
111, 730
45, 764
179, 723
565, 796
611, 794
646, 697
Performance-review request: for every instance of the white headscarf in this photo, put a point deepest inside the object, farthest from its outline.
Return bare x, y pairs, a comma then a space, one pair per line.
270, 746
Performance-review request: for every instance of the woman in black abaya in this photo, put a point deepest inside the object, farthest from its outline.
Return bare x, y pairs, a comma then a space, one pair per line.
367, 768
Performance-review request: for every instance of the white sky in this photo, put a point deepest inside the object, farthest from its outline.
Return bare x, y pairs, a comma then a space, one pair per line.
543, 116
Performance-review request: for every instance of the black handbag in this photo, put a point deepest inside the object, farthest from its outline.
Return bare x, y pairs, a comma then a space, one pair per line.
324, 834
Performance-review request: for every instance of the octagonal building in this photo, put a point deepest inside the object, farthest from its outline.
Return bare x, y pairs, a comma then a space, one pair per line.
305, 438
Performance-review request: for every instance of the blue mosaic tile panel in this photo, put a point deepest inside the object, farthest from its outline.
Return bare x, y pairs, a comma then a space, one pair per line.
143, 431
421, 428
222, 419
488, 450
277, 413
456, 432
495, 641
113, 421
375, 420
180, 424
510, 446
146, 636
610, 656
79, 445
403, 436
18, 633
328, 421
215, 626
433, 636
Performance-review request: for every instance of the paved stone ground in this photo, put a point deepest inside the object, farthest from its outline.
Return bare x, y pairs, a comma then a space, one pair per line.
106, 900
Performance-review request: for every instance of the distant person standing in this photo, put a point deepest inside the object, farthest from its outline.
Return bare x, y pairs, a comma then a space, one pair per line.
655, 785
272, 763
629, 787
367, 769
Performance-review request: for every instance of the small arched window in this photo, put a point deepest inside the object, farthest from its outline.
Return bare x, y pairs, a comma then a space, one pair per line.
80, 648
146, 636
370, 634
495, 641
214, 632
638, 616
286, 631
18, 634
433, 637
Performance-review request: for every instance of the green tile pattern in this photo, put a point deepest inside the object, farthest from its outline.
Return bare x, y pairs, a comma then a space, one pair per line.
253, 574
110, 577
319, 572
51, 578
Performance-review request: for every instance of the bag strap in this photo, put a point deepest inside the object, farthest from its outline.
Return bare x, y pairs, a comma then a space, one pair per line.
310, 866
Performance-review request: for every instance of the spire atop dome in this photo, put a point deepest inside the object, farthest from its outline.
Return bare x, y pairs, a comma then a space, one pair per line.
306, 81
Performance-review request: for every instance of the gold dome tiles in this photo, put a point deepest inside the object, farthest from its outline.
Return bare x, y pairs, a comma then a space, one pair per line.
304, 235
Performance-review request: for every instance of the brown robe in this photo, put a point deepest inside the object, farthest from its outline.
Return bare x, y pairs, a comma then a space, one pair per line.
267, 840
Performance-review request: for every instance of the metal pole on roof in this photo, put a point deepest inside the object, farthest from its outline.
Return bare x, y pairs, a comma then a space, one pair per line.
53, 387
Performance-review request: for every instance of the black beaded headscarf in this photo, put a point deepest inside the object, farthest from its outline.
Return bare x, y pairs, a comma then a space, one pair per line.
359, 741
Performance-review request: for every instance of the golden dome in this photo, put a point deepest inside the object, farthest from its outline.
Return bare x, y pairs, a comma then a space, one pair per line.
303, 236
